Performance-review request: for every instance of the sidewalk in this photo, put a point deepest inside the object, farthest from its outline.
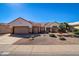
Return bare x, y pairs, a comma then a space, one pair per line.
39, 50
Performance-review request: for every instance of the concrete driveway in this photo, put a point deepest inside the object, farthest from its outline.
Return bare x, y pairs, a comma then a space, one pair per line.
7, 39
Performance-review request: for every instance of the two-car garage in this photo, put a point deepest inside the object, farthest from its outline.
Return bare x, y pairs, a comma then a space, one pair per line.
20, 30
20, 26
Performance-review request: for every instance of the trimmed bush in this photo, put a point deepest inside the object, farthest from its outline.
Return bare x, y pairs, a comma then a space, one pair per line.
61, 38
52, 35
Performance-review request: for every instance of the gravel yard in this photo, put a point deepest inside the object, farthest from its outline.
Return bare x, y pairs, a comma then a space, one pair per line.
45, 39
42, 39
42, 45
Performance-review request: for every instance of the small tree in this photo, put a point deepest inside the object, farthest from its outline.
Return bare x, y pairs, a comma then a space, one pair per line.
64, 27
67, 26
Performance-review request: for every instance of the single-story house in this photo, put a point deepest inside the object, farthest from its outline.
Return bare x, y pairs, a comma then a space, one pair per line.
22, 26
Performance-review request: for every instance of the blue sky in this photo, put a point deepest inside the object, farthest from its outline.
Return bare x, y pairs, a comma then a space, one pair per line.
40, 12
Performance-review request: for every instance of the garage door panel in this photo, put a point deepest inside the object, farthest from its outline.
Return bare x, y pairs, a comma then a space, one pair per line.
21, 30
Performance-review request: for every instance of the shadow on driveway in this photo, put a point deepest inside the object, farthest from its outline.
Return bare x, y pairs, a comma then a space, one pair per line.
25, 35
2, 34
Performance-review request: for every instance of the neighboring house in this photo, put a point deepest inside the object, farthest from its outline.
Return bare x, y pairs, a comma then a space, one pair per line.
75, 25
51, 27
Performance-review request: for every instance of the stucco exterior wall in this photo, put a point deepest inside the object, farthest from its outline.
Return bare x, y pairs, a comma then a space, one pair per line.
5, 29
77, 27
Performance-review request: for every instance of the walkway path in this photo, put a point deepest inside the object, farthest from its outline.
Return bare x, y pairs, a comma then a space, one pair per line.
37, 50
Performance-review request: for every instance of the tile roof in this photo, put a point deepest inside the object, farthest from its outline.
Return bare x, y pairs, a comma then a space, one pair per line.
20, 18
52, 24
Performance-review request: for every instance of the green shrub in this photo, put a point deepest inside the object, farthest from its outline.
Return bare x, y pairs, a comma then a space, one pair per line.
76, 32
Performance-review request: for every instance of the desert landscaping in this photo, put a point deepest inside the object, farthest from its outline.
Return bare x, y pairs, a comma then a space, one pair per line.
42, 44
39, 39
22, 37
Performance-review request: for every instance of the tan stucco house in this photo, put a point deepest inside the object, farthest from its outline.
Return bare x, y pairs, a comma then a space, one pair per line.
22, 26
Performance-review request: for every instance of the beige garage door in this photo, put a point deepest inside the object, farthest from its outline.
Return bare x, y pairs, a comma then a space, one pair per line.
21, 30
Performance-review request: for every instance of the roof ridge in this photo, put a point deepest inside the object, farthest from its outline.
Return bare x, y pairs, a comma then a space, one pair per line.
20, 18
